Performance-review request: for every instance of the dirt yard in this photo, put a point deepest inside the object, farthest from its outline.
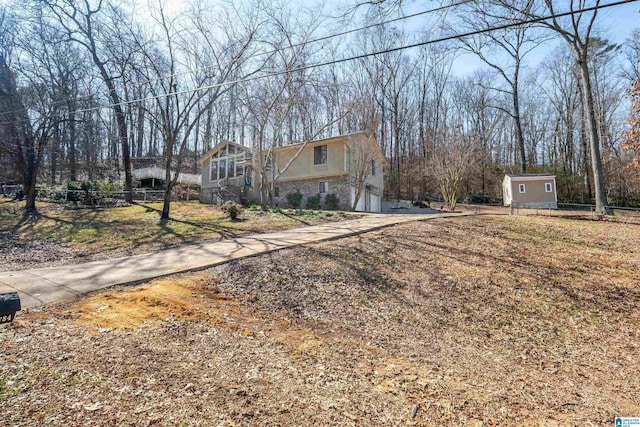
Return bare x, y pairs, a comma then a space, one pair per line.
69, 236
483, 320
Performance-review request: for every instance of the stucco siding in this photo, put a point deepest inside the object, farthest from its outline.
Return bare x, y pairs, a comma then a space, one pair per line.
303, 167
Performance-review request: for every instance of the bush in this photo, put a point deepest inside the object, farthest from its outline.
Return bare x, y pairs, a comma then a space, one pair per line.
232, 209
313, 202
332, 202
254, 207
295, 199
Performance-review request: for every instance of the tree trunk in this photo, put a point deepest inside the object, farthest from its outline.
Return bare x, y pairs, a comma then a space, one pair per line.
518, 123
72, 142
168, 186
594, 141
140, 129
29, 184
121, 121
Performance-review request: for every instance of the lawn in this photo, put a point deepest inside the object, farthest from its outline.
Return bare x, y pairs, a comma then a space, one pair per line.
59, 236
480, 320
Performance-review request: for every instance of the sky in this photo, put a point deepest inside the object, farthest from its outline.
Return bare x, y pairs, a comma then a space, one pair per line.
615, 24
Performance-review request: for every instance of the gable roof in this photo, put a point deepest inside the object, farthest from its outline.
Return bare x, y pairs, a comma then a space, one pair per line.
218, 147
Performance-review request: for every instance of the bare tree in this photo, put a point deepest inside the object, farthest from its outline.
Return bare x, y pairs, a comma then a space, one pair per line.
450, 164
363, 160
26, 126
181, 102
96, 28
515, 43
576, 30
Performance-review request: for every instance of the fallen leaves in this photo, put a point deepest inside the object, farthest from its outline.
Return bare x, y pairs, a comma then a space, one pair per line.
452, 322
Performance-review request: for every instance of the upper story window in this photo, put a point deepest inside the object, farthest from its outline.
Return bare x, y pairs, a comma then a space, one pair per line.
521, 188
547, 187
320, 155
373, 167
227, 162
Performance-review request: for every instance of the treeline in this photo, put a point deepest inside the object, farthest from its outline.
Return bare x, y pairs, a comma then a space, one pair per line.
89, 87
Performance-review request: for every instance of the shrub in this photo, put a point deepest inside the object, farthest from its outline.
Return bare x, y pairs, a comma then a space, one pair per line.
276, 210
295, 199
254, 207
332, 202
232, 209
313, 202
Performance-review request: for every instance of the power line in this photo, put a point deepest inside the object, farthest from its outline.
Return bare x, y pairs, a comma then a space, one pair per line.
362, 56
269, 52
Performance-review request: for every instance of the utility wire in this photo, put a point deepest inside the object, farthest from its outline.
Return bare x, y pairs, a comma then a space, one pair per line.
365, 55
268, 52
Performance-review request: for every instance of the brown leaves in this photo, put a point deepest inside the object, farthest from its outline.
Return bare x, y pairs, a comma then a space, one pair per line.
631, 137
469, 321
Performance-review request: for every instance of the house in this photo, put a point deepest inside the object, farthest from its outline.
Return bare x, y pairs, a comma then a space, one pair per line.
532, 191
349, 166
224, 173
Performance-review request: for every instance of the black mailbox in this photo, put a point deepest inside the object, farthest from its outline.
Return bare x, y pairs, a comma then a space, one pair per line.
9, 305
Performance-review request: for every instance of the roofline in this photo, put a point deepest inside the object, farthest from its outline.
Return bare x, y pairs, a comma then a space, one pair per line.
323, 140
532, 177
366, 133
529, 175
211, 152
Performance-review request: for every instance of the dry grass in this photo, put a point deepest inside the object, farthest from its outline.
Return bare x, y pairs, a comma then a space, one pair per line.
468, 321
63, 236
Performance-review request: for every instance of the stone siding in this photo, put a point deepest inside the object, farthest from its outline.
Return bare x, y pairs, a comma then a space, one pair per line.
309, 188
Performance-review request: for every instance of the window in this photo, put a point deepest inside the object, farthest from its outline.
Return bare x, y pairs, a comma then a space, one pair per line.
547, 187
232, 167
276, 192
223, 169
373, 167
320, 155
521, 188
214, 170
323, 187
239, 166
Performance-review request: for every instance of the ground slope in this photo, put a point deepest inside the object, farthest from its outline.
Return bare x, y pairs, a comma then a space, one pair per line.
480, 320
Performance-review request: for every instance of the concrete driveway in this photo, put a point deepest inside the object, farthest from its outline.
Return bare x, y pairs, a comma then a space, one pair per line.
40, 286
